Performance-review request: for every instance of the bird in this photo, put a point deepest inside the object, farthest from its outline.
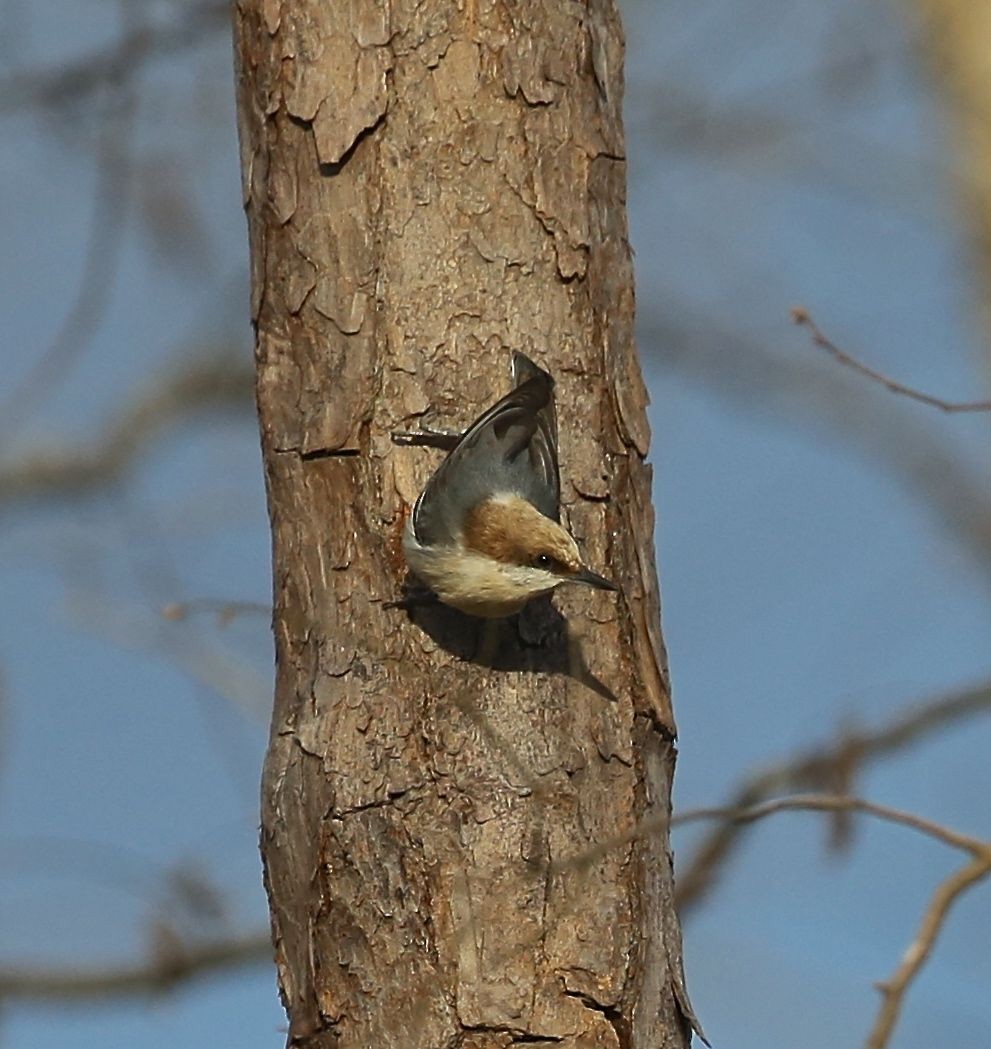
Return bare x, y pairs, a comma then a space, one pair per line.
485, 535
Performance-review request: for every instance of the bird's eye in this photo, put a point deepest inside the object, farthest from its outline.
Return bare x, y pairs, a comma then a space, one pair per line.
543, 561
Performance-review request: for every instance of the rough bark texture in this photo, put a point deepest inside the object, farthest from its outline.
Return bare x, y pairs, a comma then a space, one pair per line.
428, 186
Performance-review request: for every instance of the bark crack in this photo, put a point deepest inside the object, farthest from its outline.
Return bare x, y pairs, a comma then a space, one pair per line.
612, 1015
391, 798
327, 453
653, 719
518, 1036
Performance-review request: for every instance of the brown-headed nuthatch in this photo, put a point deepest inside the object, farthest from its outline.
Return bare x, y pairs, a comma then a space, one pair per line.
485, 534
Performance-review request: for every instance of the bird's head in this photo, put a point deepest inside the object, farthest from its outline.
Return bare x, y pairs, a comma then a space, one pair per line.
532, 553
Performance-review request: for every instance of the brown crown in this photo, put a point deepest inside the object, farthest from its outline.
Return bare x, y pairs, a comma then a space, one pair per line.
511, 530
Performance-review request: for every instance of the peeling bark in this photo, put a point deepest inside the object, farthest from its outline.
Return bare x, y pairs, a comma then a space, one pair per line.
429, 186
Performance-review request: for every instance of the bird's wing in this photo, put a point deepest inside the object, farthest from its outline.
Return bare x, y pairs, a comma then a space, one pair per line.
511, 448
544, 442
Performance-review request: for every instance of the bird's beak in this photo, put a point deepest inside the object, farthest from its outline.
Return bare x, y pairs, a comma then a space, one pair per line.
586, 575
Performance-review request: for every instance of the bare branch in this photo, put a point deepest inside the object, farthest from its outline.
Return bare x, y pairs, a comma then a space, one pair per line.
945, 895
115, 65
893, 990
801, 316
98, 269
732, 815
836, 406
685, 119
225, 611
223, 382
824, 768
837, 803
163, 972
190, 651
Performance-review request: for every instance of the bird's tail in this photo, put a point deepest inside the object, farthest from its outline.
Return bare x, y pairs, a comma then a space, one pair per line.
524, 369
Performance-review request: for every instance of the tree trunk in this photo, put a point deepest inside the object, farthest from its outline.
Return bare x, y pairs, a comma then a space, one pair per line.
449, 840
956, 38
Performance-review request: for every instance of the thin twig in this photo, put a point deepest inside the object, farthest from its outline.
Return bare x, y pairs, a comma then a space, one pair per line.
113, 66
226, 381
945, 895
831, 768
801, 316
97, 269
838, 407
893, 990
837, 803
732, 814
225, 611
204, 661
156, 975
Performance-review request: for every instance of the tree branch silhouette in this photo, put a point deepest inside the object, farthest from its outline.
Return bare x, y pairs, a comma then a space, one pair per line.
834, 767
225, 381
113, 66
165, 970
893, 990
801, 316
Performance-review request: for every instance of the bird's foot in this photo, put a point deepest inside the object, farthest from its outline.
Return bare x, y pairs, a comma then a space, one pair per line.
428, 437
414, 598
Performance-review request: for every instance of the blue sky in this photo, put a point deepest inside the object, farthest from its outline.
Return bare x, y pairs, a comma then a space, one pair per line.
806, 583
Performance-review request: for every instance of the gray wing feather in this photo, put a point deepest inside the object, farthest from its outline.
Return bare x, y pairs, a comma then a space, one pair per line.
511, 448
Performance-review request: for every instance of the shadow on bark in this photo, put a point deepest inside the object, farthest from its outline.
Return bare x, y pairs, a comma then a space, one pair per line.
537, 640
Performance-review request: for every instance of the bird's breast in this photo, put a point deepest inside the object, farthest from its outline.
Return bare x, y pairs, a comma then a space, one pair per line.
468, 581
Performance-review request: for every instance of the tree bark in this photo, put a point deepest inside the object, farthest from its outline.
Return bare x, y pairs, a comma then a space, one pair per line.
449, 840
956, 38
